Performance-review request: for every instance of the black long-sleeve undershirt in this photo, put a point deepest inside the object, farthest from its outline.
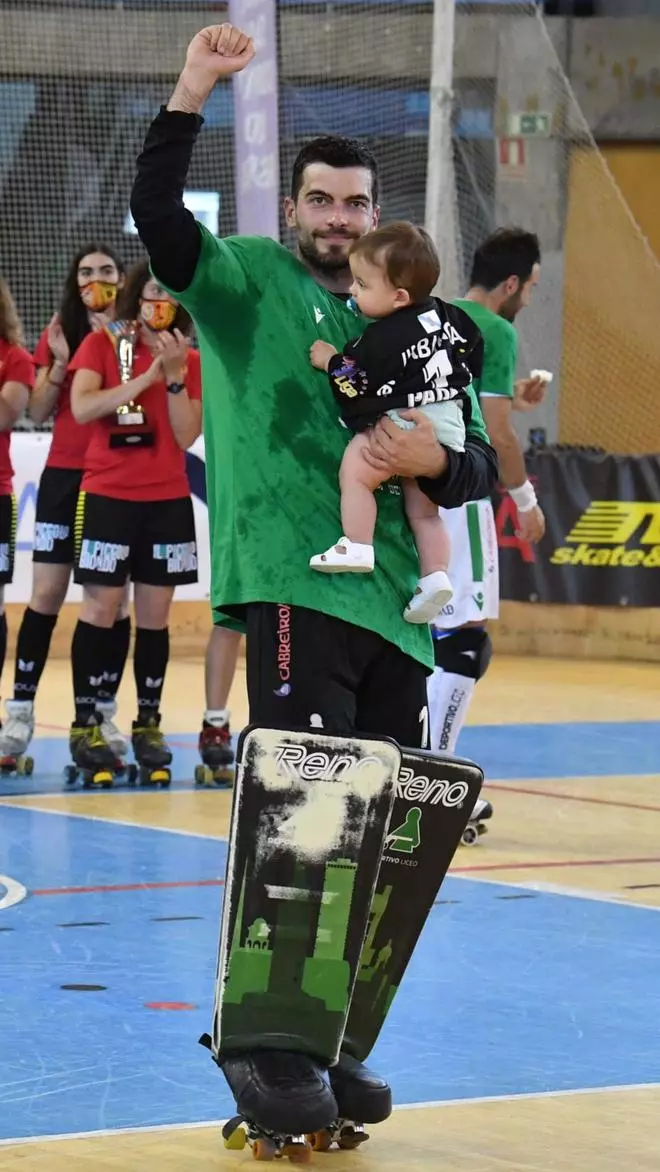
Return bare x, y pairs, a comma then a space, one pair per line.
172, 239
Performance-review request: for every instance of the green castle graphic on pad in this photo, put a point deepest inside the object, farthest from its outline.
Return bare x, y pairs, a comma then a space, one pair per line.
406, 838
296, 963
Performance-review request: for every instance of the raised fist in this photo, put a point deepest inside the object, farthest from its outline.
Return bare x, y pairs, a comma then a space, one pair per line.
218, 51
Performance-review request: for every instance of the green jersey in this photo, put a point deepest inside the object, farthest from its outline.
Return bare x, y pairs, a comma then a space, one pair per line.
500, 350
274, 444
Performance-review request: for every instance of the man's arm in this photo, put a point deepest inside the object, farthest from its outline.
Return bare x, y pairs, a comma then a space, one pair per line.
168, 231
447, 477
497, 413
469, 476
497, 410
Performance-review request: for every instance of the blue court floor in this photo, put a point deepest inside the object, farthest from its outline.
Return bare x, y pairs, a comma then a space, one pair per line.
107, 969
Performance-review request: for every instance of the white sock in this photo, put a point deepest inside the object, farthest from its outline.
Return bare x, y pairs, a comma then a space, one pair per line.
218, 717
449, 698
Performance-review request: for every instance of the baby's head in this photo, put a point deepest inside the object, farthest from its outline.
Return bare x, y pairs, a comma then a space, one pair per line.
393, 267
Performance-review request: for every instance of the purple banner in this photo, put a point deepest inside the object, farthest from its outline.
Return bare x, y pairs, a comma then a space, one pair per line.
256, 122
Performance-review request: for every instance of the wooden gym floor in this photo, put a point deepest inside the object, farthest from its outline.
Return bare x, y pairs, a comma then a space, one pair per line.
525, 1037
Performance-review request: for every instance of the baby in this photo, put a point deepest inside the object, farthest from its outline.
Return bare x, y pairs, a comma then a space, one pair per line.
414, 354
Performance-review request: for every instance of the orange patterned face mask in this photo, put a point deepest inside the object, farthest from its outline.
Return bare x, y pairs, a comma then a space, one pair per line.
98, 295
158, 315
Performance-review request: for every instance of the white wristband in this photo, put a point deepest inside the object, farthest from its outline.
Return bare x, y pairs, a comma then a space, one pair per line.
523, 497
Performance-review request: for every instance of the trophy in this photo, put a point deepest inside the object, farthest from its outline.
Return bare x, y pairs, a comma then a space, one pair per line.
129, 427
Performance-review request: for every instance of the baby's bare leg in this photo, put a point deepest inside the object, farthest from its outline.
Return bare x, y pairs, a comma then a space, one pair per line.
358, 482
428, 528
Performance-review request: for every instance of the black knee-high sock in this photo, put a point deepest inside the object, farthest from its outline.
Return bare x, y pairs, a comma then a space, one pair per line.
3, 640
32, 647
150, 656
89, 654
118, 653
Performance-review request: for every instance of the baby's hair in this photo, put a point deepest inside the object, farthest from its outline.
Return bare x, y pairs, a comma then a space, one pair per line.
407, 255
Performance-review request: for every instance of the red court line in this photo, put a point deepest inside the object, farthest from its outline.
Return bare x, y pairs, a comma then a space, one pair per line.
453, 870
518, 789
554, 863
127, 887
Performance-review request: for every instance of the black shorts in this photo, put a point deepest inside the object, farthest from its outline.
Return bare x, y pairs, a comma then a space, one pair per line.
152, 542
55, 519
7, 537
308, 670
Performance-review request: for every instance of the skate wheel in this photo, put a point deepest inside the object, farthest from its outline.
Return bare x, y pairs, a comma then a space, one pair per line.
70, 774
264, 1149
103, 778
236, 1141
351, 1138
470, 835
164, 778
298, 1153
203, 775
25, 766
320, 1141
131, 774
224, 777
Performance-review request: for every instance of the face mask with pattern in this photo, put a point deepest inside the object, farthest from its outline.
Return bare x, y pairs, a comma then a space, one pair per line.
98, 295
157, 315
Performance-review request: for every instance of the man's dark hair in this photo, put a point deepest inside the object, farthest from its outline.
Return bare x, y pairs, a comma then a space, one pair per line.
509, 252
407, 255
128, 301
73, 313
334, 152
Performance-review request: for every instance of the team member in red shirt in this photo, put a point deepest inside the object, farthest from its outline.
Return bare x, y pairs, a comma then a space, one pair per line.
135, 516
88, 301
16, 379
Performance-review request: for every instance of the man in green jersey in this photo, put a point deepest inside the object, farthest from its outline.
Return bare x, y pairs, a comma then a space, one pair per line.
505, 271
330, 652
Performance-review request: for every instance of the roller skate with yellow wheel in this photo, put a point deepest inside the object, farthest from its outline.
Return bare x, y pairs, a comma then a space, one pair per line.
285, 1092
152, 754
107, 710
362, 1097
476, 826
15, 736
238, 1134
93, 760
217, 764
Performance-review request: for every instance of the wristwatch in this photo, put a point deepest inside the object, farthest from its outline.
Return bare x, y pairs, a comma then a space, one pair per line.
176, 388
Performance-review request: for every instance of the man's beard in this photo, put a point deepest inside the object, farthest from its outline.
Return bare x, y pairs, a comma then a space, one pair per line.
510, 309
333, 263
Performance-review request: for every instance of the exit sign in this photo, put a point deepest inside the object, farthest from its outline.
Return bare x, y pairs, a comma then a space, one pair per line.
529, 126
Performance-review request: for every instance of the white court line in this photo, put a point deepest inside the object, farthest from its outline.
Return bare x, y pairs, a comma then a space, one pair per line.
111, 821
431, 1105
14, 894
474, 877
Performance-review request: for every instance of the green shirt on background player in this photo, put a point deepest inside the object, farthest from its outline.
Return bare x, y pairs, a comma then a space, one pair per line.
500, 350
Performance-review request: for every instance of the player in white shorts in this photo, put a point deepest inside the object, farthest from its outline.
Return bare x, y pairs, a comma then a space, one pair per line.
505, 270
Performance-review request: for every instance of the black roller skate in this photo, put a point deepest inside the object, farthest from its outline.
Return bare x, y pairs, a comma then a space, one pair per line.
93, 760
217, 767
362, 1097
290, 1096
476, 826
151, 752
